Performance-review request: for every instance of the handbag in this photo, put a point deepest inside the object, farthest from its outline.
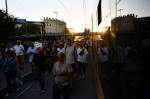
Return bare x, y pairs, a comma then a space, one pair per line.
7, 67
102, 52
81, 53
19, 81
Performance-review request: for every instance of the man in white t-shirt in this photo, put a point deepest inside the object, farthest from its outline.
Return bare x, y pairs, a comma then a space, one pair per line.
71, 58
71, 54
31, 51
82, 60
19, 51
103, 60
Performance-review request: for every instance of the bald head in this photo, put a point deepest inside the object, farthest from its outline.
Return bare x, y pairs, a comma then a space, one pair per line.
61, 56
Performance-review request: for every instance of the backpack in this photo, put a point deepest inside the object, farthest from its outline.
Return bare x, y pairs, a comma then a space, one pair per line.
74, 49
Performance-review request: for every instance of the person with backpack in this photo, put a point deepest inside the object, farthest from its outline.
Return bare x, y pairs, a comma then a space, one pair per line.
71, 58
71, 55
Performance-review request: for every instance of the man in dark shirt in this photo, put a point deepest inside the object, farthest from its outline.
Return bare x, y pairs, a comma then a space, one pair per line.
47, 54
38, 63
53, 53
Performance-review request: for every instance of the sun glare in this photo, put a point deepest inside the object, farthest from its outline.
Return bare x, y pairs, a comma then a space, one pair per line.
77, 28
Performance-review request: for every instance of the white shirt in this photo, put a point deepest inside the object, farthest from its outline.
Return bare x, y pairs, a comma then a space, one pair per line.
64, 68
70, 54
82, 58
19, 49
7, 49
103, 58
118, 54
34, 50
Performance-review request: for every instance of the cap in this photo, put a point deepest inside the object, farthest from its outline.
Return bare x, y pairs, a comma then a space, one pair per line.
19, 41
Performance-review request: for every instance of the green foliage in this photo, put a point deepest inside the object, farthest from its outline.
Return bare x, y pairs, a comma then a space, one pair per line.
28, 29
67, 30
7, 24
33, 29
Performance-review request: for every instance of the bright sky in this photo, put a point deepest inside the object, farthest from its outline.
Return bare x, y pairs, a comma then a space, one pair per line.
76, 13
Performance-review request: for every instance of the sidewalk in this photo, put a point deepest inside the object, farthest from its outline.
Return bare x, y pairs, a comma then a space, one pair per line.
84, 89
24, 73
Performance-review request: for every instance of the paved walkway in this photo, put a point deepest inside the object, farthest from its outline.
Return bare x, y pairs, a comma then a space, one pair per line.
84, 89
26, 71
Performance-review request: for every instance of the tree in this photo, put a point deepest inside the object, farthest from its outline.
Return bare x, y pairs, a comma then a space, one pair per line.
28, 29
33, 29
67, 30
7, 24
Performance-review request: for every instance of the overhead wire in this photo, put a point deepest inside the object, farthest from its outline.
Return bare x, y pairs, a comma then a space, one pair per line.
109, 14
66, 9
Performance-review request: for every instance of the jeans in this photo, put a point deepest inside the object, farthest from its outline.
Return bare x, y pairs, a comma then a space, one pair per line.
57, 92
40, 75
73, 67
82, 68
10, 76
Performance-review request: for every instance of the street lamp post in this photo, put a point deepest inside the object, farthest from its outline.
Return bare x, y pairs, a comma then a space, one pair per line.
117, 2
6, 9
120, 11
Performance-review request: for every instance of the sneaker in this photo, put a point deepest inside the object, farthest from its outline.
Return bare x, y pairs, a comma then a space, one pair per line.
43, 91
7, 94
39, 89
18, 89
79, 77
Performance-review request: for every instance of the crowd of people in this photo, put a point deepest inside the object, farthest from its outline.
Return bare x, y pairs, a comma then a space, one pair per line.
117, 60
121, 63
64, 59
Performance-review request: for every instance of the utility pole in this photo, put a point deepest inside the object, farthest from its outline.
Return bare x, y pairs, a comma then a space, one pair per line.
117, 2
120, 11
6, 9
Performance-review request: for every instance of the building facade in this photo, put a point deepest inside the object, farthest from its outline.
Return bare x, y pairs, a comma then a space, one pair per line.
54, 26
123, 24
130, 26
